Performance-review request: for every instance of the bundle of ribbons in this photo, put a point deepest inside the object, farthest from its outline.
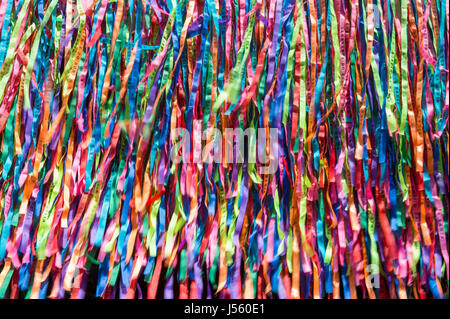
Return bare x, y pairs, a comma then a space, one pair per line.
93, 205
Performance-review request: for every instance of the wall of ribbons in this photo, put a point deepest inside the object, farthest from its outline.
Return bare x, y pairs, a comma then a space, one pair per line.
93, 205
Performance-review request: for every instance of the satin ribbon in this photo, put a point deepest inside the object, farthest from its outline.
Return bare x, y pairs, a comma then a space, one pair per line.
94, 94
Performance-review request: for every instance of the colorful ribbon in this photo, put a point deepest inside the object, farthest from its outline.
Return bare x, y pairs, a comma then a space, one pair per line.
93, 93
